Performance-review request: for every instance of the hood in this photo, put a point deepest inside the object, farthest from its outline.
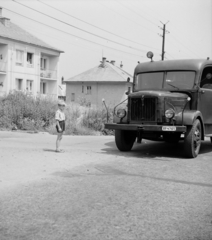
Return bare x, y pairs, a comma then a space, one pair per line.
159, 94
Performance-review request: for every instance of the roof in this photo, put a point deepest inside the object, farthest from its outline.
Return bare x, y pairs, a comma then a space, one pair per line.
185, 64
106, 72
14, 32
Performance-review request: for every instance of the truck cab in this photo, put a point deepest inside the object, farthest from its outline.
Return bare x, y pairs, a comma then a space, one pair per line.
170, 101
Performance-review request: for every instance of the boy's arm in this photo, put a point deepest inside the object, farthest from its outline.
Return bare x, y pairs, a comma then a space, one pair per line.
58, 125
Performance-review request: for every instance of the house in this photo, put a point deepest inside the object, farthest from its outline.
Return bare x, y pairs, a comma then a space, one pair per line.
26, 63
106, 81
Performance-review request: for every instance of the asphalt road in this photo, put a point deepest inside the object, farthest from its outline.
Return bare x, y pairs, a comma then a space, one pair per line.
94, 192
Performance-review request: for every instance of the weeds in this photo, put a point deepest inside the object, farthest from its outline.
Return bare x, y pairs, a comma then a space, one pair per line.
21, 111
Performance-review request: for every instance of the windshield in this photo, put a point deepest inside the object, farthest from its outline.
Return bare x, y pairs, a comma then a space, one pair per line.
165, 80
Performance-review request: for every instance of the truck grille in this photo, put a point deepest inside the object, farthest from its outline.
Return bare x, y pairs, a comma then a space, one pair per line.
143, 109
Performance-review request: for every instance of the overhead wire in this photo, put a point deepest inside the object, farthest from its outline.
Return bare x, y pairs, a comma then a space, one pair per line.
174, 26
76, 44
184, 46
111, 9
132, 10
92, 24
74, 35
93, 34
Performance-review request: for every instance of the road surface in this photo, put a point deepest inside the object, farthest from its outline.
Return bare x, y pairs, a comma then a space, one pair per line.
94, 192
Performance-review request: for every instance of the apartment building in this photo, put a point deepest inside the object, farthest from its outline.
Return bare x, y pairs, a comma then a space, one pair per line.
26, 63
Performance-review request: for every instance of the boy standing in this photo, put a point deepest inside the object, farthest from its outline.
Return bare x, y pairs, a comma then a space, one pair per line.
60, 123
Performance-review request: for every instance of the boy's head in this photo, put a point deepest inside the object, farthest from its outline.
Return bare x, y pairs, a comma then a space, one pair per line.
61, 104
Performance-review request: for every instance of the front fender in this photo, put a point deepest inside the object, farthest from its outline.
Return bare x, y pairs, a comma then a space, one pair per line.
190, 116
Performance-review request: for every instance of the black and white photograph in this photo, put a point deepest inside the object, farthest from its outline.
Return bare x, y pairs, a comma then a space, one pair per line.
105, 119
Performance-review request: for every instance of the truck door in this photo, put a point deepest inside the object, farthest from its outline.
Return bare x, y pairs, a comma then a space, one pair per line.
205, 97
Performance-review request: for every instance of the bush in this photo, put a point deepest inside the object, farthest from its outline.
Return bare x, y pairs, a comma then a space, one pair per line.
21, 111
25, 112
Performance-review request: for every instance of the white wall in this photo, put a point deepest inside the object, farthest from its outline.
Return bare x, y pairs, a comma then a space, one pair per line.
111, 92
25, 72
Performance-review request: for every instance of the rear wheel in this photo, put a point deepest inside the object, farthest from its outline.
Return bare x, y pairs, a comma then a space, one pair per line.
192, 141
125, 139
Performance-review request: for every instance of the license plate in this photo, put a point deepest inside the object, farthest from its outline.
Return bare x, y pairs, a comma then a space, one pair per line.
168, 128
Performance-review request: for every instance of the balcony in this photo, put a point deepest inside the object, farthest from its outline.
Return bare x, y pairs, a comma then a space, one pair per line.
3, 67
48, 74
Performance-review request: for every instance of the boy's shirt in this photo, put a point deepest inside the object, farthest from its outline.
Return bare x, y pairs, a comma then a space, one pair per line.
60, 116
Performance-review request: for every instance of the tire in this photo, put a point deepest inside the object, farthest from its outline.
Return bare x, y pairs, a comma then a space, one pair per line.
192, 141
125, 139
173, 138
211, 139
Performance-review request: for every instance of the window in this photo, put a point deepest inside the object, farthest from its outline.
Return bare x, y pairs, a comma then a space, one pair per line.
165, 80
72, 97
19, 83
19, 58
43, 88
29, 59
29, 85
43, 62
88, 92
206, 79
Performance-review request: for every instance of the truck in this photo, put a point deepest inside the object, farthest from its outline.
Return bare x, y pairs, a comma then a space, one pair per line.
170, 101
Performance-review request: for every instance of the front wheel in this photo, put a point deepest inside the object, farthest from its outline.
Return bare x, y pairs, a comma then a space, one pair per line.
125, 139
192, 141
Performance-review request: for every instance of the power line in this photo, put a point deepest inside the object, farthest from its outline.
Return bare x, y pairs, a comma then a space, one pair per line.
74, 35
75, 44
184, 45
172, 23
152, 10
130, 9
170, 55
127, 18
93, 34
91, 24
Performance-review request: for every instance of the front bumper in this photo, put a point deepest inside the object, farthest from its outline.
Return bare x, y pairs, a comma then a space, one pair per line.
146, 128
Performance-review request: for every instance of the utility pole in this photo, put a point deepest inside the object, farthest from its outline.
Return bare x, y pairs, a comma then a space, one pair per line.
163, 41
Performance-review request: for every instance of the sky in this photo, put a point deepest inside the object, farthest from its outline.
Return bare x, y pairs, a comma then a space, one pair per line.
120, 30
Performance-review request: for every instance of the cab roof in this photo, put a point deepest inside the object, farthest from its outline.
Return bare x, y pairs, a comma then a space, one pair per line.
168, 65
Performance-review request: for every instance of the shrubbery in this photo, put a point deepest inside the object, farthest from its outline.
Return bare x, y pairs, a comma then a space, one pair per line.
21, 111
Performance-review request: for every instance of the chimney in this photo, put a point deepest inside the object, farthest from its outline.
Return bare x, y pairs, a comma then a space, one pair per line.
121, 65
3, 20
103, 62
112, 62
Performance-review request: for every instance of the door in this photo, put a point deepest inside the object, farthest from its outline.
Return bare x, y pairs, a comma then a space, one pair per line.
205, 96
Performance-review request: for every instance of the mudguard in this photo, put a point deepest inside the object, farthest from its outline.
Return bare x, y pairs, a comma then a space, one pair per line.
190, 116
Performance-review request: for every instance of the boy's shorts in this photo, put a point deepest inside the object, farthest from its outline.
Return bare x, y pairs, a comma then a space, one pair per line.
62, 126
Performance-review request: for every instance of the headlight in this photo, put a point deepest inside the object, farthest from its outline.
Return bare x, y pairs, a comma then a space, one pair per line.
121, 113
169, 113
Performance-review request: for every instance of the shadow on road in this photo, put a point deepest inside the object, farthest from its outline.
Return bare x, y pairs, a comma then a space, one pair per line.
48, 150
155, 150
